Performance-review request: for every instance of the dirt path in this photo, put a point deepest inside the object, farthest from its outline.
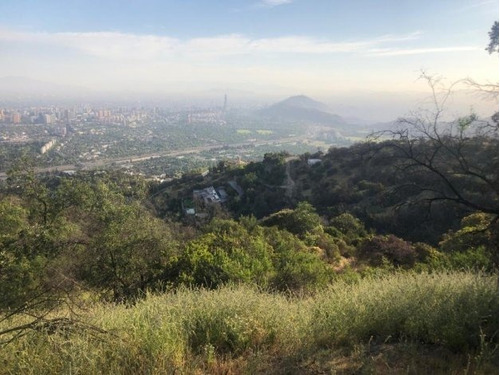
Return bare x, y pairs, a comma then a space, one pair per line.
290, 183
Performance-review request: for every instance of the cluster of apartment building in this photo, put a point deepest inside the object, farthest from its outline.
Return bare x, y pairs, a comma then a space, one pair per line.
35, 115
74, 115
215, 117
106, 115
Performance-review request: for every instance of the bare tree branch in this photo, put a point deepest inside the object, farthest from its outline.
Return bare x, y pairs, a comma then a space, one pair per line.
445, 161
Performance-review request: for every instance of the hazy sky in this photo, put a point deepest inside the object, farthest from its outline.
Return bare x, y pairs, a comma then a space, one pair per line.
314, 47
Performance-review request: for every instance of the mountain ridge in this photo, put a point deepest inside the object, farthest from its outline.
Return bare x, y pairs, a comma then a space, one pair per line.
303, 109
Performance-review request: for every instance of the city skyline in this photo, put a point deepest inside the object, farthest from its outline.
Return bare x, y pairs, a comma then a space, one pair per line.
276, 47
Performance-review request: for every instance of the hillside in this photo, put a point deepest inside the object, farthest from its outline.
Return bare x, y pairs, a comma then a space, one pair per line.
303, 109
349, 260
366, 180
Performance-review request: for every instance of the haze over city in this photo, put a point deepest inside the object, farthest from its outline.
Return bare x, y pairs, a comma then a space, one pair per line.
361, 57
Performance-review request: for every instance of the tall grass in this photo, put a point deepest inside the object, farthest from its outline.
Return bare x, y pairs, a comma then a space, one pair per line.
451, 310
226, 330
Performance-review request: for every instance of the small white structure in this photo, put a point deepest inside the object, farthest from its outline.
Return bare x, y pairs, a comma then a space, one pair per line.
208, 195
311, 162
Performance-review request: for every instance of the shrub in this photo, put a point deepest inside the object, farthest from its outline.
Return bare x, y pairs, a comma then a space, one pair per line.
472, 259
300, 270
348, 227
477, 230
297, 266
301, 221
392, 248
330, 246
227, 253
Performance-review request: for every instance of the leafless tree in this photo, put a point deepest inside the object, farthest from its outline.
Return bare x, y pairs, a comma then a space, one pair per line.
453, 161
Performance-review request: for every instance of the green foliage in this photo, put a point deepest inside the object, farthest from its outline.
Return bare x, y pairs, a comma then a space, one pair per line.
348, 227
478, 230
232, 253
227, 253
94, 231
29, 246
21, 279
300, 270
427, 253
478, 259
86, 229
376, 249
474, 258
298, 267
301, 221
129, 253
330, 246
13, 219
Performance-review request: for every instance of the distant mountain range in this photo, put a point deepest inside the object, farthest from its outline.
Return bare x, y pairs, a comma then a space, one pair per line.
301, 108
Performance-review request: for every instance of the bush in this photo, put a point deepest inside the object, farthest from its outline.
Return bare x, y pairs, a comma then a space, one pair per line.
478, 230
297, 266
301, 221
300, 271
228, 252
478, 259
348, 227
392, 248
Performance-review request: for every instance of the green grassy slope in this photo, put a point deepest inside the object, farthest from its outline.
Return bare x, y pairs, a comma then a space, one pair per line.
443, 323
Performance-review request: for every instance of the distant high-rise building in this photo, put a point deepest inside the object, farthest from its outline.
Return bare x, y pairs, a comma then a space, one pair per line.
16, 118
225, 103
69, 114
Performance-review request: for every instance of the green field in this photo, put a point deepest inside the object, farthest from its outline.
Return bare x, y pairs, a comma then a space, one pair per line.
243, 131
264, 132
